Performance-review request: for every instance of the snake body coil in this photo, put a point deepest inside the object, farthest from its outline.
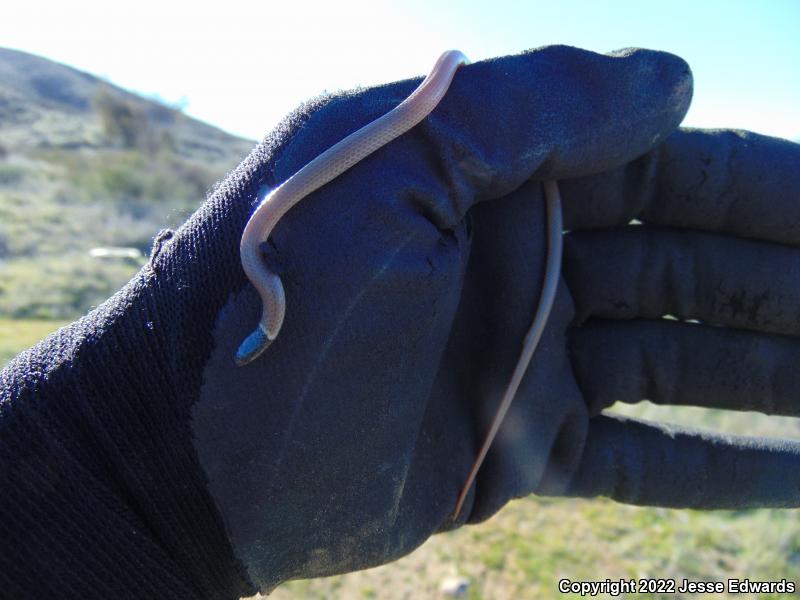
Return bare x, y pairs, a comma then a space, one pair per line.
336, 160
327, 166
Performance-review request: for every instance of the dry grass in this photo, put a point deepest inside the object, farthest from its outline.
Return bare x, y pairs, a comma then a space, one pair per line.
18, 334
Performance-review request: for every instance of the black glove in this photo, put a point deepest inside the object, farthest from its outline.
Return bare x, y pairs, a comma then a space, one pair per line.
721, 226
410, 282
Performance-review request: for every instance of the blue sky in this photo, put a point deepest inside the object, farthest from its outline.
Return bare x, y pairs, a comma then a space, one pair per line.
243, 65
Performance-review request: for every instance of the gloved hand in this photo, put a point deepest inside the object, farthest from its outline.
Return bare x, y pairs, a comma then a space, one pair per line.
410, 281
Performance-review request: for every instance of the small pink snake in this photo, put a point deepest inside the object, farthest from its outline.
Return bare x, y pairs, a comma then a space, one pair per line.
336, 160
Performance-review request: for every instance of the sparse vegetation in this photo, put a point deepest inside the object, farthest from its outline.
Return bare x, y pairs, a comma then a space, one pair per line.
10, 174
18, 334
85, 164
123, 121
77, 201
60, 287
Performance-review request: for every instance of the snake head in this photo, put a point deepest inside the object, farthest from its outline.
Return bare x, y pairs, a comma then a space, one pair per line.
252, 347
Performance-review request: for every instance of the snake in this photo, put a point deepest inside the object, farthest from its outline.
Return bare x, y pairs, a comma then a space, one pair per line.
336, 160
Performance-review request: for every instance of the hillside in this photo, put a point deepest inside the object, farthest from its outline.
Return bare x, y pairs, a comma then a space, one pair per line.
86, 165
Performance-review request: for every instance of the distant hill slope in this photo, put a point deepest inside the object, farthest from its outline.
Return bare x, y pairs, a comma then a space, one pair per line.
47, 104
85, 164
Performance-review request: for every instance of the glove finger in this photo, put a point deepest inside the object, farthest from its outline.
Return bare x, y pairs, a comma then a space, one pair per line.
637, 272
669, 362
554, 112
733, 182
658, 465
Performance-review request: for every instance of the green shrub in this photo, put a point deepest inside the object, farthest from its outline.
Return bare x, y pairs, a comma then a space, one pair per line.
18, 334
11, 174
123, 121
59, 287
